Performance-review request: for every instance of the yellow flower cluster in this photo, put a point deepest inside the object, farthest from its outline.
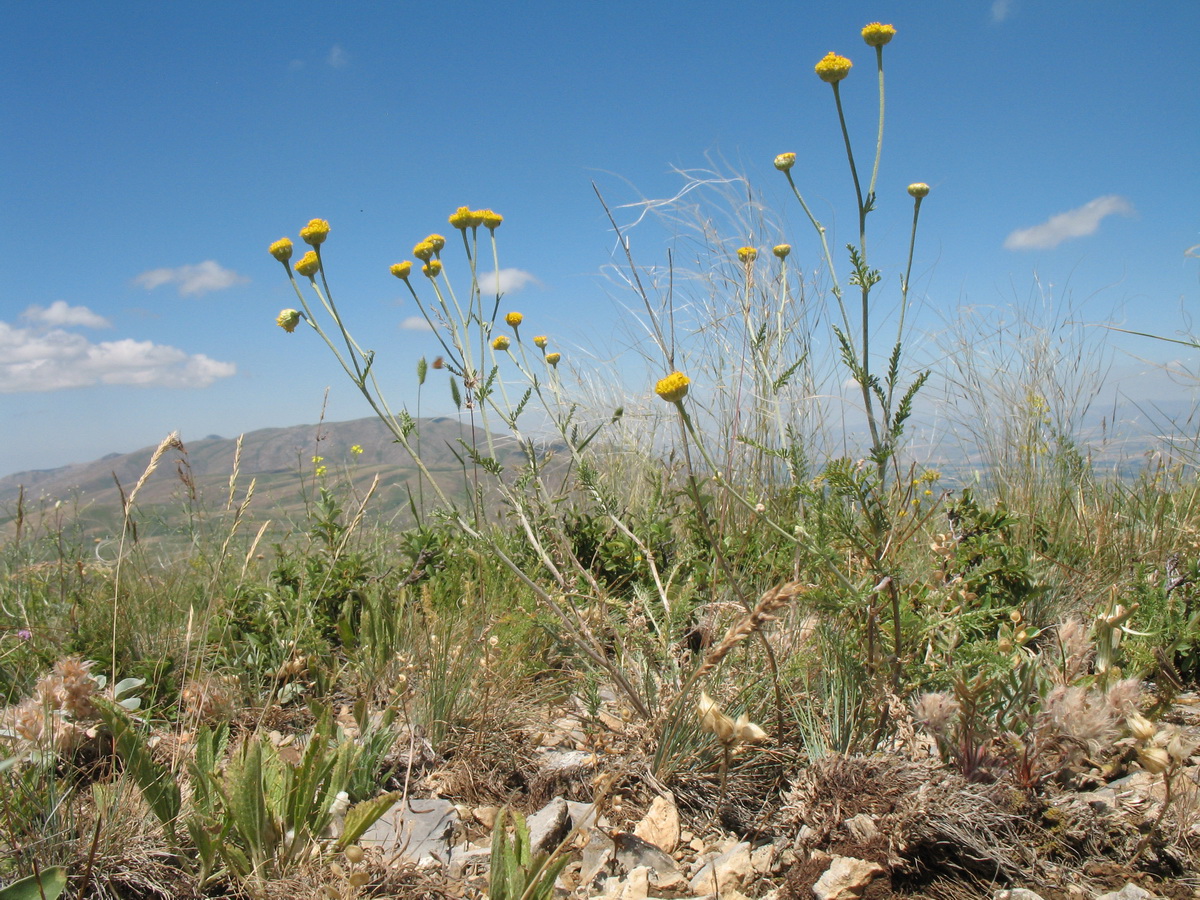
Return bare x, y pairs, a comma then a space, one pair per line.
553, 358
432, 269
315, 232
288, 319
464, 217
785, 161
423, 251
513, 320
833, 68
673, 388
281, 250
782, 250
501, 343
402, 270
876, 34
540, 342
747, 255
436, 241
309, 264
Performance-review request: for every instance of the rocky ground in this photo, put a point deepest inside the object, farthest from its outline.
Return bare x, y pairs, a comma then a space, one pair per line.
781, 827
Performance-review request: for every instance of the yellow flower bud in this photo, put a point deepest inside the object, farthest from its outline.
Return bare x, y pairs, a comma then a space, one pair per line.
747, 255
491, 220
288, 319
833, 68
918, 189
461, 218
281, 249
402, 269
423, 251
436, 241
673, 388
315, 232
514, 319
500, 343
782, 250
432, 269
876, 35
309, 264
553, 358
785, 161
540, 342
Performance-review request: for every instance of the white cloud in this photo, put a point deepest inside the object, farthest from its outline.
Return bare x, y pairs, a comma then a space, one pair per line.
197, 279
415, 323
511, 281
60, 313
1071, 224
1001, 10
338, 56
38, 360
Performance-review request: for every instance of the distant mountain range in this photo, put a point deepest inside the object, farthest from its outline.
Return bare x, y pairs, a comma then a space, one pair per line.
279, 460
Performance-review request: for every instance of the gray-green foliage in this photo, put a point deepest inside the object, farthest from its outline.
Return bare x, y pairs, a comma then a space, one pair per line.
517, 873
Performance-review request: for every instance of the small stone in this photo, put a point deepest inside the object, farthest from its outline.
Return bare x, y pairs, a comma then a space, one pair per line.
762, 859
729, 870
634, 853
1016, 894
419, 832
485, 815
1130, 892
846, 878
660, 825
597, 858
548, 826
635, 886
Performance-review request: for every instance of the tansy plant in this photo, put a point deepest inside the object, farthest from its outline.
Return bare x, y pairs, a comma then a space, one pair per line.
464, 315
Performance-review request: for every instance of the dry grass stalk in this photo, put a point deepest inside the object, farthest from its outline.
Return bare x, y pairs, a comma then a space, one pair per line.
755, 620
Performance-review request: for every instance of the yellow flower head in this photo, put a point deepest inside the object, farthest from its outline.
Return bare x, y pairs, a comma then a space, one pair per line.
747, 255
356, 450
540, 342
876, 35
919, 189
288, 319
432, 269
402, 269
461, 218
500, 343
491, 220
477, 216
309, 264
315, 232
785, 161
833, 68
782, 250
673, 388
553, 358
436, 241
281, 249
423, 251
513, 319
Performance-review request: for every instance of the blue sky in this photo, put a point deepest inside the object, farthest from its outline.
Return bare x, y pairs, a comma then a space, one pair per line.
152, 151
